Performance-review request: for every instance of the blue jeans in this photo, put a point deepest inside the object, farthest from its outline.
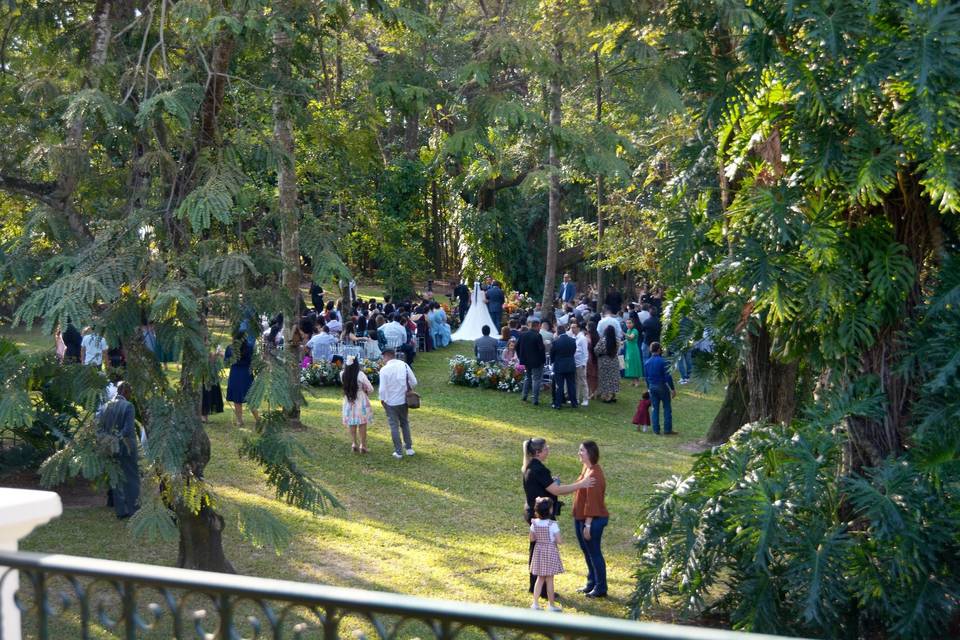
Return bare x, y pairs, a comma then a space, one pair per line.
593, 555
661, 393
532, 381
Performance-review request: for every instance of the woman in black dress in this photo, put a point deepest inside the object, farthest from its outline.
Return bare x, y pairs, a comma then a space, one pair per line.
211, 396
537, 483
240, 379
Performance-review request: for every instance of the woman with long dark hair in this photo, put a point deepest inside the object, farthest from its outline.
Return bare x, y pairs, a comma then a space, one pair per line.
357, 412
590, 517
608, 365
593, 379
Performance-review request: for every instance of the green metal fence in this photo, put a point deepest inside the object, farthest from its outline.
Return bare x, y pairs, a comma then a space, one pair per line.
73, 597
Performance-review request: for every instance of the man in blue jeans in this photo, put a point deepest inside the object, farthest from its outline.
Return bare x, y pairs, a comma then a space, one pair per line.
660, 383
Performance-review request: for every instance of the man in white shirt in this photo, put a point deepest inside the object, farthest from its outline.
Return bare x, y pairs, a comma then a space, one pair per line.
394, 333
644, 313
580, 359
396, 377
321, 345
334, 326
93, 348
608, 320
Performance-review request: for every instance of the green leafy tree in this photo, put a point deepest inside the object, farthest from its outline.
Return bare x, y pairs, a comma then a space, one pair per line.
829, 225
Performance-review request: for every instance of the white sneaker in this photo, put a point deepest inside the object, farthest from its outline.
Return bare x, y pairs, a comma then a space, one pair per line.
535, 606
410, 451
554, 608
585, 403
398, 456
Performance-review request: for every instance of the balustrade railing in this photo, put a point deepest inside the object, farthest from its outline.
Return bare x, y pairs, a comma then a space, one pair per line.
73, 597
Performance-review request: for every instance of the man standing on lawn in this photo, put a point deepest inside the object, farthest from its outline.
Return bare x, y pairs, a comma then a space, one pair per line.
660, 383
118, 419
580, 359
396, 378
532, 355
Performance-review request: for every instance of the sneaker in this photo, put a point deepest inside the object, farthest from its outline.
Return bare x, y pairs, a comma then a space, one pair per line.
644, 428
398, 456
535, 606
585, 403
554, 608
410, 451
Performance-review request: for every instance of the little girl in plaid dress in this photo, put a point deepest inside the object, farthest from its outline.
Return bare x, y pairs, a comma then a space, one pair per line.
546, 561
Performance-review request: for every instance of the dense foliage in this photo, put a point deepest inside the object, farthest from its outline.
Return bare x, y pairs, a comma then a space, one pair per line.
810, 221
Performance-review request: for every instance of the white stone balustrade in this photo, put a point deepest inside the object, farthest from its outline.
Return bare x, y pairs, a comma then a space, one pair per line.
21, 511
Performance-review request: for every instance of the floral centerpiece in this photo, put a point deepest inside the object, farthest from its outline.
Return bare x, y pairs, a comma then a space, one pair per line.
320, 373
468, 372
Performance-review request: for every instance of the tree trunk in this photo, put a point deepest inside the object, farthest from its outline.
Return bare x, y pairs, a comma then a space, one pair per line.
600, 194
553, 223
201, 540
411, 135
917, 227
733, 412
435, 233
772, 385
66, 219
287, 208
201, 533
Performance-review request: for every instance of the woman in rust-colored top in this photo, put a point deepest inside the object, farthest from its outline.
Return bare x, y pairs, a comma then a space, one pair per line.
590, 517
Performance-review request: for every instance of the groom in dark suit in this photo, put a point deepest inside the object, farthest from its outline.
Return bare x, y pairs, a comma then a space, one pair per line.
562, 353
495, 300
462, 294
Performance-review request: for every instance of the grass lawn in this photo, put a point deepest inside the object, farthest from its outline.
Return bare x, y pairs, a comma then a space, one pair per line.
446, 523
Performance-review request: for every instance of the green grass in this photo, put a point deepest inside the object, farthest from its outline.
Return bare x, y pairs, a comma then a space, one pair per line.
445, 523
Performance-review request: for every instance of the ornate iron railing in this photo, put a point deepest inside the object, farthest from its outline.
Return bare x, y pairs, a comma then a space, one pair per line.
72, 597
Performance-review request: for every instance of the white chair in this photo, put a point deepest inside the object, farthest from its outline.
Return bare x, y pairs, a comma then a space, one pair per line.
356, 352
547, 373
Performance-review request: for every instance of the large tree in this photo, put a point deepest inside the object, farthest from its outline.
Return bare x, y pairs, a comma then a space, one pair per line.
168, 169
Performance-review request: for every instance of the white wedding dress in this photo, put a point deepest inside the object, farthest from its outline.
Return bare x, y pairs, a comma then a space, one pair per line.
478, 315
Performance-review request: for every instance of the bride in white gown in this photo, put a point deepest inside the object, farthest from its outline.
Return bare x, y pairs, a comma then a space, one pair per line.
477, 316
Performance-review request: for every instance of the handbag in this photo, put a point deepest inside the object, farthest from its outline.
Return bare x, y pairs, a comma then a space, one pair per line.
412, 398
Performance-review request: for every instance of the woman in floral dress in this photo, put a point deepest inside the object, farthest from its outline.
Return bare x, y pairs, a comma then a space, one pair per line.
357, 412
608, 365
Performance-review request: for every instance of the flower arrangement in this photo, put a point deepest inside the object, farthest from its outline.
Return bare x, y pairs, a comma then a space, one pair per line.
320, 373
519, 301
468, 372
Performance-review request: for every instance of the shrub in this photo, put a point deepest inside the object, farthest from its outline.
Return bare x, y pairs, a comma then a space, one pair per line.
768, 532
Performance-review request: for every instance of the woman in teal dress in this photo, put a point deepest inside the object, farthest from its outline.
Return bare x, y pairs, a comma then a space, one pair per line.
439, 328
633, 364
